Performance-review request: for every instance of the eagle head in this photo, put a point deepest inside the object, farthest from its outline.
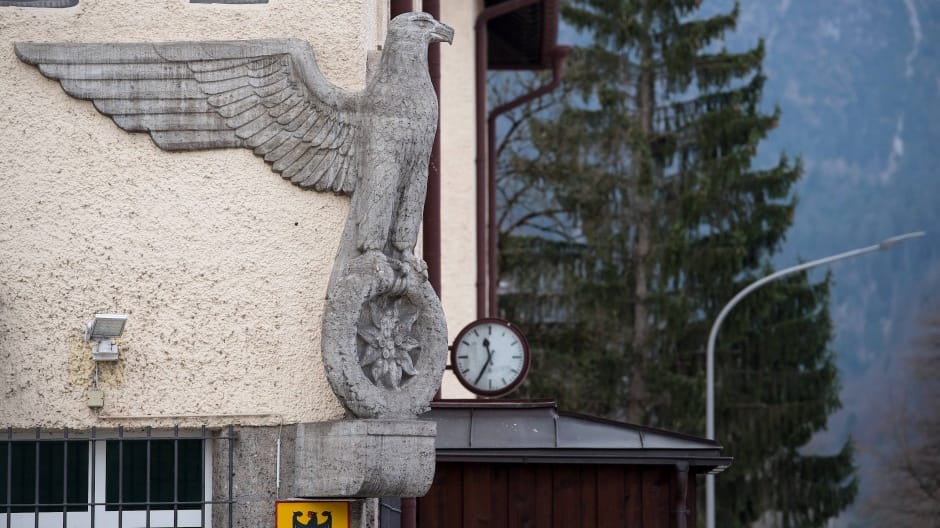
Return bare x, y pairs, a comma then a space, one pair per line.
419, 27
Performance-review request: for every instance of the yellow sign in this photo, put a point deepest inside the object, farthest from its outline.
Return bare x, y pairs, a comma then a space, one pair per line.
311, 514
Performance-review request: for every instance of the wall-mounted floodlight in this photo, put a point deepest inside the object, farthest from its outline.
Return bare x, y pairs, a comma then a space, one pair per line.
104, 328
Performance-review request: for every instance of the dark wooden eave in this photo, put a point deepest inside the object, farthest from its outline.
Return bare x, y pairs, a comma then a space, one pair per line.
522, 39
537, 432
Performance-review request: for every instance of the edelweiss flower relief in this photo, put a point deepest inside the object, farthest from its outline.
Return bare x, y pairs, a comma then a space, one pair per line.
389, 343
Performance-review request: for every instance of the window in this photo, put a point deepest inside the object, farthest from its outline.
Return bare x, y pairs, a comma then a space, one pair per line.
39, 3
133, 479
56, 469
175, 474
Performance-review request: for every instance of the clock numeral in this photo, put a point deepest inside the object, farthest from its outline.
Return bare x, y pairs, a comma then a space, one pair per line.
462, 357
504, 381
465, 342
464, 371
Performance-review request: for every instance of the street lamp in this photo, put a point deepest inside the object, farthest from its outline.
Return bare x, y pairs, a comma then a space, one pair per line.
712, 336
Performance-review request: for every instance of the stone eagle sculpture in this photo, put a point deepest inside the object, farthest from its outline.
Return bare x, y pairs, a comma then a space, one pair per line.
270, 96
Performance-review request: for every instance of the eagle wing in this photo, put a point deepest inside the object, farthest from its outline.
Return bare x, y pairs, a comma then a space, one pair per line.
266, 95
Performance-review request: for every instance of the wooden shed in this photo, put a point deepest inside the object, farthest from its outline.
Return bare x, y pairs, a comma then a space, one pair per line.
527, 464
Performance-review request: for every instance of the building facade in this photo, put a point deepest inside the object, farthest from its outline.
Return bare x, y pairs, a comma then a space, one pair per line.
220, 265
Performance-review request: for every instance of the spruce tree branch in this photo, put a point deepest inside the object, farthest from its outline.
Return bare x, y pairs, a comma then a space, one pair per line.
517, 121
511, 199
527, 219
558, 232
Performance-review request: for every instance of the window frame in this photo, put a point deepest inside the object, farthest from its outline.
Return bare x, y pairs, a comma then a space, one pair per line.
199, 517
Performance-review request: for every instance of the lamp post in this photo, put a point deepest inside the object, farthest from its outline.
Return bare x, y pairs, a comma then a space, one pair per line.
712, 336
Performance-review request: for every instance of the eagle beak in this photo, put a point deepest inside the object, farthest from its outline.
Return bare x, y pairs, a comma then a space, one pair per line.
442, 33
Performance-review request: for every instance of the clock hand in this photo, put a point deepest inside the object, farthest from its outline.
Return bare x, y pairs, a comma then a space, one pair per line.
489, 359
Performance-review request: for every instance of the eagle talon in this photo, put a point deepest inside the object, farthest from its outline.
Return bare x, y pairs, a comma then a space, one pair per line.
419, 266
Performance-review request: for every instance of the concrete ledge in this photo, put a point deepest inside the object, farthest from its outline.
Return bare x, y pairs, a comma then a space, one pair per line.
364, 458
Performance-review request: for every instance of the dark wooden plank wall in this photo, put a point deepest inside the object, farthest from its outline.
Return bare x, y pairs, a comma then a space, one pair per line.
554, 496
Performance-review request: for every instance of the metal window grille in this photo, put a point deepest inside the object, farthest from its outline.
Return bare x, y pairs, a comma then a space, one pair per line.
38, 3
50, 508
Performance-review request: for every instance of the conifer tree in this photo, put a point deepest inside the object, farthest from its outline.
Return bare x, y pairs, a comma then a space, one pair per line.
649, 217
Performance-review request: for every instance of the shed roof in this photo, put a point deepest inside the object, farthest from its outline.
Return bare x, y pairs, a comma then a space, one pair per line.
537, 432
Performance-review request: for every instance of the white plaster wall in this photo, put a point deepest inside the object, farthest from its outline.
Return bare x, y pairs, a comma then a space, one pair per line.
220, 264
458, 176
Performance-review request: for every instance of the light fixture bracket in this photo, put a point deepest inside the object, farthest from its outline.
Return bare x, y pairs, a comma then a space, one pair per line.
104, 351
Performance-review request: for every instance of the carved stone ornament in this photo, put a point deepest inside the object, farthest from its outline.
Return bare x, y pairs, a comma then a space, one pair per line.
384, 335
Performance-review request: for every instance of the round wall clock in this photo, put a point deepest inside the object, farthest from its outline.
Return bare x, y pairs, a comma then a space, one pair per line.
490, 357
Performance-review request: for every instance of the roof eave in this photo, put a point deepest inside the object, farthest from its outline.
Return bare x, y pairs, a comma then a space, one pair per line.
548, 28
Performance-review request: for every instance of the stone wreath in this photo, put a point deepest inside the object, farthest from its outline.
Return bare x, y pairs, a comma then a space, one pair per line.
383, 333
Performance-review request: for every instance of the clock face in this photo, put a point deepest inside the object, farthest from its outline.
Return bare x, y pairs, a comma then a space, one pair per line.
490, 357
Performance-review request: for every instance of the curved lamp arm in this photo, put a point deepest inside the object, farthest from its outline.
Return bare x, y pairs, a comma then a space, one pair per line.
713, 336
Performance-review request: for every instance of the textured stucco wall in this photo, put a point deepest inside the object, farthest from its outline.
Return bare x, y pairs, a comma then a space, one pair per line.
458, 176
221, 265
